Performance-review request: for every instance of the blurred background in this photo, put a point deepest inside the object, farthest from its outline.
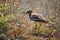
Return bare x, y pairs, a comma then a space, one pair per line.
15, 25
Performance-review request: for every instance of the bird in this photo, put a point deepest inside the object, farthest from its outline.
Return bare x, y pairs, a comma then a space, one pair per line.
36, 18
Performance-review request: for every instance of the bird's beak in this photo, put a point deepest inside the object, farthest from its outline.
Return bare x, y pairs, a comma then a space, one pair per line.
24, 12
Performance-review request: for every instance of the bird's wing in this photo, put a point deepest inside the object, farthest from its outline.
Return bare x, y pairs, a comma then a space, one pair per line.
39, 15
34, 17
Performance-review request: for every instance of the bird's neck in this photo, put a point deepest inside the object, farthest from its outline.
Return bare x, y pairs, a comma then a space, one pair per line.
29, 15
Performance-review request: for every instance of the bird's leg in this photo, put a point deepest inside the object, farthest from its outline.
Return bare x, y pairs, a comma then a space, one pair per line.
39, 27
35, 27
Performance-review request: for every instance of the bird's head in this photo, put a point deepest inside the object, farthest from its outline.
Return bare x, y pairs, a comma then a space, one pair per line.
29, 12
